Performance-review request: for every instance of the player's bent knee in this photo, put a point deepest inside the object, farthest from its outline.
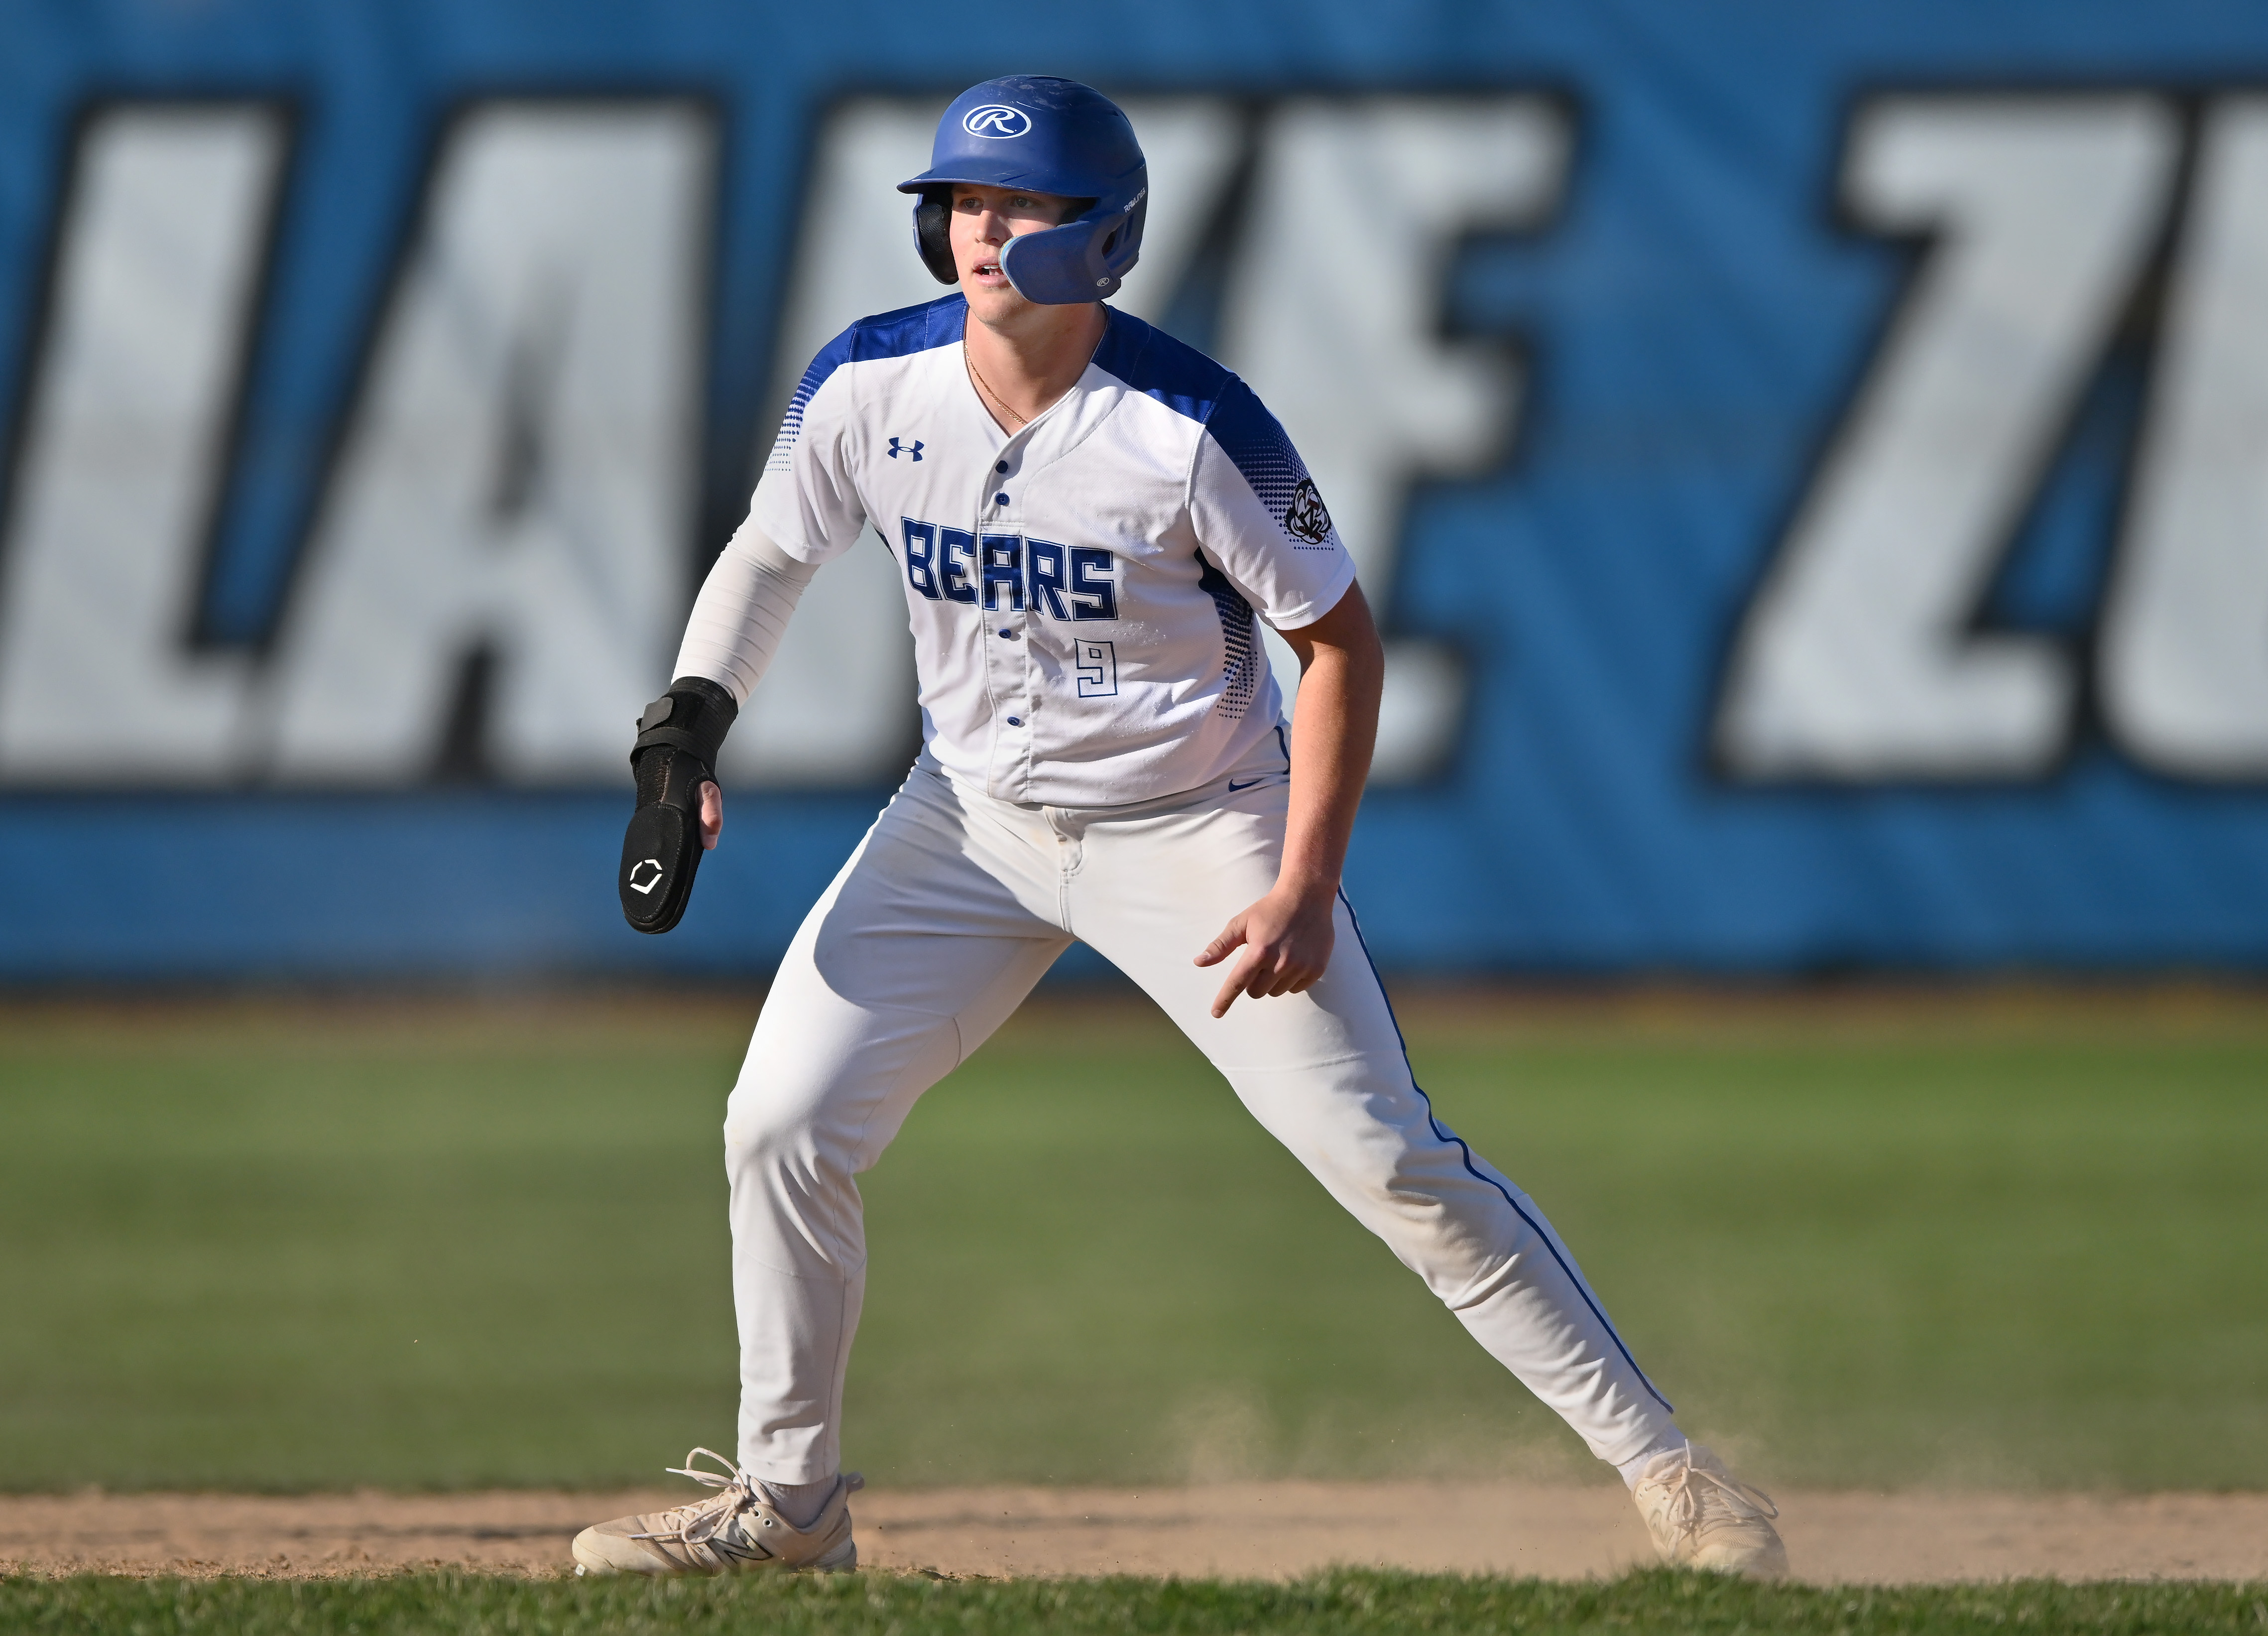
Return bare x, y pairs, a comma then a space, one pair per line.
766, 1129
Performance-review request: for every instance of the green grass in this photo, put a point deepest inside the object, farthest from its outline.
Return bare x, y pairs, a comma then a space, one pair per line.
1340, 1602
268, 1246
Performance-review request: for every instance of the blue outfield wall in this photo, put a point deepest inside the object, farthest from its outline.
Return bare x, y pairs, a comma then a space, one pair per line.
1811, 463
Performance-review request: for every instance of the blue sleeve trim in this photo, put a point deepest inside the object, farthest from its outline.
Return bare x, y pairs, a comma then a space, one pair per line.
901, 334
1242, 657
1188, 382
1258, 444
831, 357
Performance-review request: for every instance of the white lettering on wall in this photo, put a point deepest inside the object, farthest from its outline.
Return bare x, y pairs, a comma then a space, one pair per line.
123, 449
517, 477
1855, 661
2184, 666
1335, 315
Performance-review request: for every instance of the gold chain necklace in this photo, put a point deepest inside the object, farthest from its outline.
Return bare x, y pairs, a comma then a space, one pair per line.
986, 387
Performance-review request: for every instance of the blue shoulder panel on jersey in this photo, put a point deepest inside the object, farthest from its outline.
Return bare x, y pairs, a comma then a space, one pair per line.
1152, 363
1188, 382
909, 330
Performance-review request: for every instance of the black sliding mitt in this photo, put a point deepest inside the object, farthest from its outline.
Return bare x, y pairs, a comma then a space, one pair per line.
678, 740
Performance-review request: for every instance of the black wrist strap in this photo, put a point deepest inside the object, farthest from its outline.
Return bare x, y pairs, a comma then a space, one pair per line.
694, 716
679, 738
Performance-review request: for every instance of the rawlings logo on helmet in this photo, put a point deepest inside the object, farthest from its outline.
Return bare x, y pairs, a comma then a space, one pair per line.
996, 119
1035, 133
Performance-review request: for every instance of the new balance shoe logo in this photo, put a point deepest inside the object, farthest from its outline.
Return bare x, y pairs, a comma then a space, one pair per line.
735, 1546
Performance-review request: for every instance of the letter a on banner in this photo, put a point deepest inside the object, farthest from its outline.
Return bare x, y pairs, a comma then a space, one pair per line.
504, 537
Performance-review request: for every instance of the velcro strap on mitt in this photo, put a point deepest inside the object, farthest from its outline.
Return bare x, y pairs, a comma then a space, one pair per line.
678, 740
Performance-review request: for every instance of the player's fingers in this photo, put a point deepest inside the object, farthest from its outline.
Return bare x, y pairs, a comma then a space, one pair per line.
1267, 979
712, 816
1240, 977
1294, 977
1231, 937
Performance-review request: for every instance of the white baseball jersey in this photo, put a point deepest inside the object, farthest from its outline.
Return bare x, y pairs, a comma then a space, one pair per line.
1081, 590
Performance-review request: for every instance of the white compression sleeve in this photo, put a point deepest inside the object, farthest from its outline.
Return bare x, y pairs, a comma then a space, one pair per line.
741, 612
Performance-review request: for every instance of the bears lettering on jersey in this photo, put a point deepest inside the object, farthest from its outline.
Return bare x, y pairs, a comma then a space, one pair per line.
1119, 551
1006, 571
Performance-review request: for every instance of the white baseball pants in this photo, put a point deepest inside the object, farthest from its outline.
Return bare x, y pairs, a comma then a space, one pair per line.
934, 932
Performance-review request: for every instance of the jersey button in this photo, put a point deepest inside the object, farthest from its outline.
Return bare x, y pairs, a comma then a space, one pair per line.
1015, 721
1002, 468
1009, 634
999, 499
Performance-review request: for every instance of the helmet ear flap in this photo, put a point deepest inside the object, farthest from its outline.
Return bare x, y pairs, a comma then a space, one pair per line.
933, 233
1127, 248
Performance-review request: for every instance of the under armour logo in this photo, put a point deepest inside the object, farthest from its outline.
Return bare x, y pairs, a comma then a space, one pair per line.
915, 450
640, 881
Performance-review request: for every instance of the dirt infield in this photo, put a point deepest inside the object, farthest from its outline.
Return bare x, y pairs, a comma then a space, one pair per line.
1241, 1530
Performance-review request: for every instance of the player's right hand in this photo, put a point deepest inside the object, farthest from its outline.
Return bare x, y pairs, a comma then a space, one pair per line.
1282, 945
712, 816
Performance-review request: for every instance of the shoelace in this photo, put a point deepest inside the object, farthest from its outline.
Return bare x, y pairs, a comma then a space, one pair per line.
1686, 1505
711, 1514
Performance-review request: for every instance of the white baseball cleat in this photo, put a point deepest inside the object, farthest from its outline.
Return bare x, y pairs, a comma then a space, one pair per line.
734, 1531
1701, 1516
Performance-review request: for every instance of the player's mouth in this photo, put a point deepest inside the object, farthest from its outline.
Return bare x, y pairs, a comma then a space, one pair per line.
988, 271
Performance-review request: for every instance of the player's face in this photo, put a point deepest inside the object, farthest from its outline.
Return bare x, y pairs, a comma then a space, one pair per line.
985, 218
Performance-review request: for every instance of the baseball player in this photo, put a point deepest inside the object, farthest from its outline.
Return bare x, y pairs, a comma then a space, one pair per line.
1087, 518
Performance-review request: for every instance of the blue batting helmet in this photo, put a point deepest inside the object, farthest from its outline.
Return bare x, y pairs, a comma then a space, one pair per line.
1048, 136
